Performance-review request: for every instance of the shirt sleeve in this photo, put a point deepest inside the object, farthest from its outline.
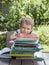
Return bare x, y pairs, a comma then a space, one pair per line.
17, 32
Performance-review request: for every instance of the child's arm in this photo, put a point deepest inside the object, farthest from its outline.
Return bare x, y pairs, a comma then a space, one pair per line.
21, 35
32, 36
14, 36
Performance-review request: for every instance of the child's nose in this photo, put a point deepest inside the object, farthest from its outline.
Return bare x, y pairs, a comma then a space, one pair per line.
25, 30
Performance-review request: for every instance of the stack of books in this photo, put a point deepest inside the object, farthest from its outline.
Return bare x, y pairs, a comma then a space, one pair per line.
25, 47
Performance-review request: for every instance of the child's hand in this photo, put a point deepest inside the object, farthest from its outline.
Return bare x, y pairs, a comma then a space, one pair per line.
13, 36
20, 35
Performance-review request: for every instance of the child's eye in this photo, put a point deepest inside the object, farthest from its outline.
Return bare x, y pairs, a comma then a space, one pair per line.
28, 29
23, 27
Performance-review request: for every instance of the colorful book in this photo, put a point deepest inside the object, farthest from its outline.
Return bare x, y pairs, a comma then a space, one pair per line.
24, 46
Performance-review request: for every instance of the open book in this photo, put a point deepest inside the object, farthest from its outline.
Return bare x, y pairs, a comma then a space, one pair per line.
5, 50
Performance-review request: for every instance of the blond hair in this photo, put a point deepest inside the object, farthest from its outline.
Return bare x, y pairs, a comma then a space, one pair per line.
27, 20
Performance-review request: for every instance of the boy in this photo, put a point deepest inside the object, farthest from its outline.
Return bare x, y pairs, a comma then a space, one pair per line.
25, 30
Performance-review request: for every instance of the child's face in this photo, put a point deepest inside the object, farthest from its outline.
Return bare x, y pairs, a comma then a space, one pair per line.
26, 29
